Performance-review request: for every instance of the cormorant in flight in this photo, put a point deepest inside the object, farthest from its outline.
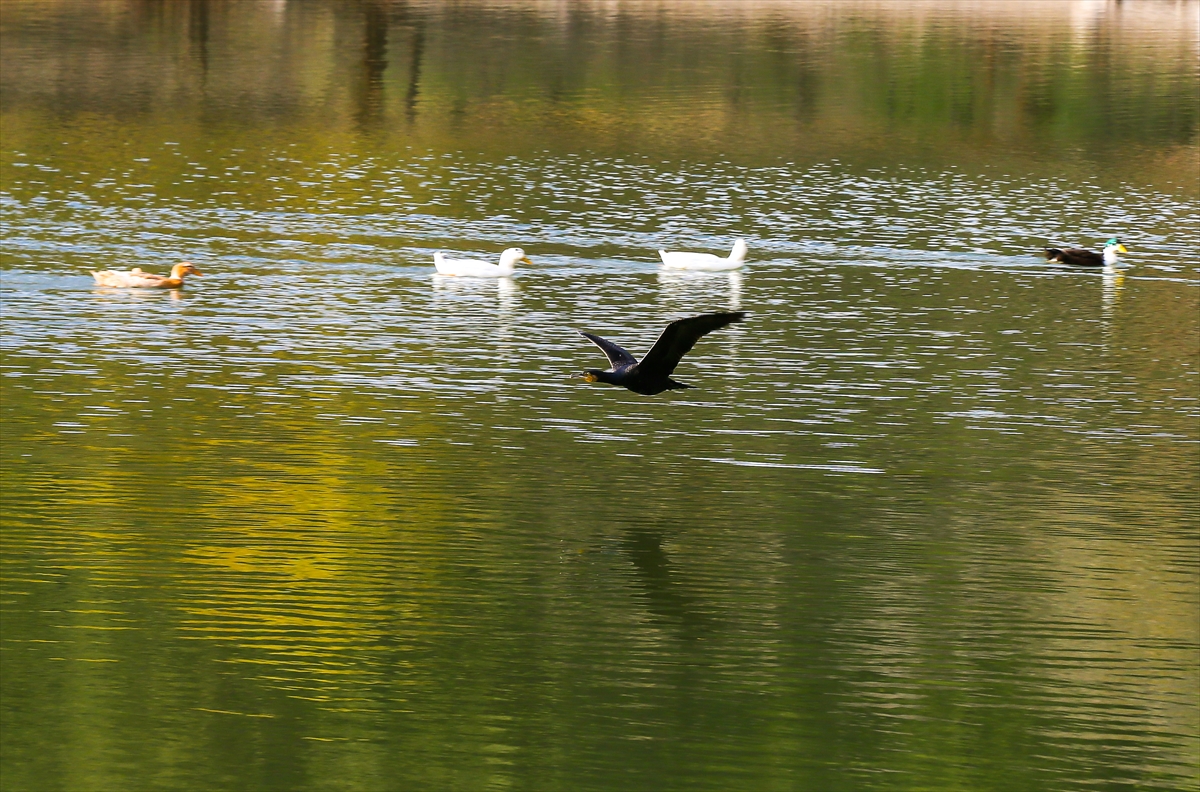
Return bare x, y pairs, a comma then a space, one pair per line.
653, 373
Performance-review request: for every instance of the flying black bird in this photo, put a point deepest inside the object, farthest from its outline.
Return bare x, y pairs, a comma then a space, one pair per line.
653, 374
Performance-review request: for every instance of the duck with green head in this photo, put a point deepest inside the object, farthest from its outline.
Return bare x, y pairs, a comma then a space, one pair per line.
1086, 258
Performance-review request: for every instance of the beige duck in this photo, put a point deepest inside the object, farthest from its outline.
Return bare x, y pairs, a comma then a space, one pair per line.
137, 279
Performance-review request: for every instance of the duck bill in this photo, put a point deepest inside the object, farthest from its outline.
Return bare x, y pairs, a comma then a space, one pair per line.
1121, 249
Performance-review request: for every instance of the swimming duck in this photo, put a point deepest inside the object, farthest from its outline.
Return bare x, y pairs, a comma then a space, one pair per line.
137, 279
1086, 258
473, 268
653, 373
672, 259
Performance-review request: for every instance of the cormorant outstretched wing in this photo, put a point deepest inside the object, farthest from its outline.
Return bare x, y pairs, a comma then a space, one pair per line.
678, 339
617, 357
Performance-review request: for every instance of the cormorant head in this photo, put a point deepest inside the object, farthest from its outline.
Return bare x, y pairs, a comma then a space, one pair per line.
592, 375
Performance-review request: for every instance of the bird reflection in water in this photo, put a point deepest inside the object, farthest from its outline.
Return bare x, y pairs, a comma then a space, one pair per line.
453, 295
457, 290
506, 294
138, 294
686, 291
1113, 284
662, 593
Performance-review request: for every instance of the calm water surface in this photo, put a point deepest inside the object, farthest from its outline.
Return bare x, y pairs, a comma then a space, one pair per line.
325, 521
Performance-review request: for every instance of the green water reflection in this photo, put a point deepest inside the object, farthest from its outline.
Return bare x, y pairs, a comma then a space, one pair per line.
322, 521
1087, 86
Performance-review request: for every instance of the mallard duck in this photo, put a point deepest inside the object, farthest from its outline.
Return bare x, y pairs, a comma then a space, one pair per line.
672, 259
473, 268
1086, 258
137, 279
653, 373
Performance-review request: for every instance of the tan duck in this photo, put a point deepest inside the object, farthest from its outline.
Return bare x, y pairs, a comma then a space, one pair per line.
137, 279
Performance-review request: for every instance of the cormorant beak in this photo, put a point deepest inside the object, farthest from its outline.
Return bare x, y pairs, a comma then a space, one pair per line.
588, 376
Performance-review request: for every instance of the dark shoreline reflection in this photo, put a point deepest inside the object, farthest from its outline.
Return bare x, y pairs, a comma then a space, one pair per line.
1109, 85
375, 52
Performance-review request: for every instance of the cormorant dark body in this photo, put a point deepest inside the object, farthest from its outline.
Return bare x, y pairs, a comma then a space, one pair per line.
653, 373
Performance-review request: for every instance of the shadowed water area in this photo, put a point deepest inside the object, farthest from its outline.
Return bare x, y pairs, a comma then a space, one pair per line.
322, 520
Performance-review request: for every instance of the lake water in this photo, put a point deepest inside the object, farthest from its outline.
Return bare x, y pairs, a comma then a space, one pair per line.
324, 521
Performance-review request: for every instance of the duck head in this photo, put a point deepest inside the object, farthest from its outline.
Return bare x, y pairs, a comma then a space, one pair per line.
1111, 248
511, 256
739, 250
184, 268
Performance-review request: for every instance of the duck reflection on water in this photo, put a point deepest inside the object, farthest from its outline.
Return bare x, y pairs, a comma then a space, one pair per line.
690, 290
1111, 287
452, 288
138, 295
460, 297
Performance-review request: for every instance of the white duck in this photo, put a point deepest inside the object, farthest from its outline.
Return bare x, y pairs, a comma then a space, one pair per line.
473, 268
705, 261
137, 279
